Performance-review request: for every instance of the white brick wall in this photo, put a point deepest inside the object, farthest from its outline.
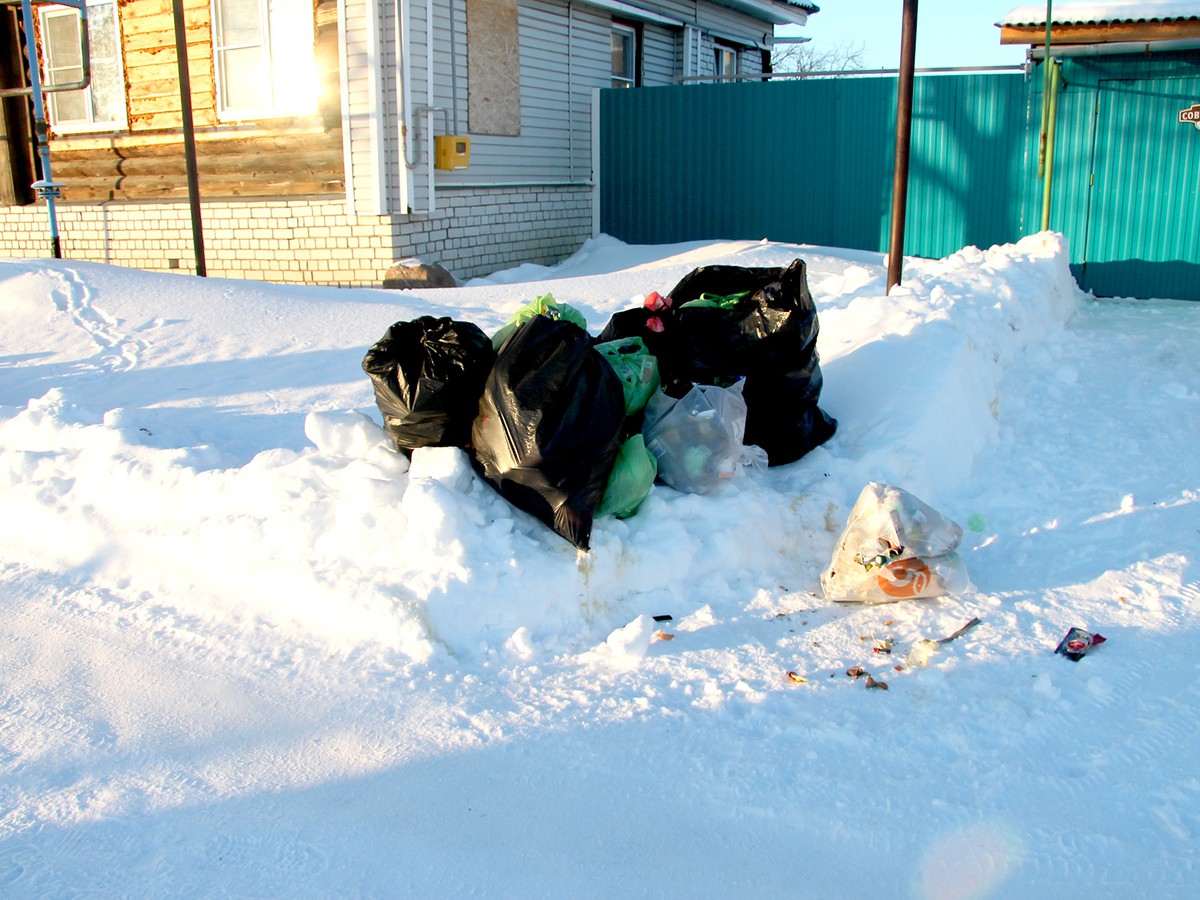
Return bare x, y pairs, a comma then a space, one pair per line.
472, 232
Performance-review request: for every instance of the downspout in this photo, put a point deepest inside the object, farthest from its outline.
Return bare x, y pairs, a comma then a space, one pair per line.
375, 110
1055, 68
429, 109
404, 92
347, 119
453, 68
46, 187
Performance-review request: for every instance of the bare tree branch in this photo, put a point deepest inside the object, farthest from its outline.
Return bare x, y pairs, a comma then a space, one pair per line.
807, 57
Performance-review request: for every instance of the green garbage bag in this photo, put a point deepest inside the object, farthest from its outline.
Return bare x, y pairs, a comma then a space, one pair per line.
545, 305
636, 367
632, 476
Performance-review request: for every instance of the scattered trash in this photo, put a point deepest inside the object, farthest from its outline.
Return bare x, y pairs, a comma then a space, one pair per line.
1077, 643
976, 522
918, 656
898, 667
882, 645
872, 683
663, 618
796, 677
894, 547
971, 624
856, 672
661, 635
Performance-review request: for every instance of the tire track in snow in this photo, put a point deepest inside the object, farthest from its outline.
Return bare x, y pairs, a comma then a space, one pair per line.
118, 351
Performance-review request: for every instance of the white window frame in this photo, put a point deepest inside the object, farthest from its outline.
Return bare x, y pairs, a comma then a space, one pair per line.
721, 52
276, 107
97, 63
631, 33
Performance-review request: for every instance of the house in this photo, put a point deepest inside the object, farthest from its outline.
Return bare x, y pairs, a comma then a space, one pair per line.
334, 137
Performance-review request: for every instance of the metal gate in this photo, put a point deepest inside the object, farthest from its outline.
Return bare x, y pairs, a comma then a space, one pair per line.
1143, 215
810, 162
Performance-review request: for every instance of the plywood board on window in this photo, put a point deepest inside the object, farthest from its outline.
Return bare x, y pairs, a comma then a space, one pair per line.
493, 67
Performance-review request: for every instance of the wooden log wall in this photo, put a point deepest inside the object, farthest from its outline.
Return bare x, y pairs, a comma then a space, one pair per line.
267, 158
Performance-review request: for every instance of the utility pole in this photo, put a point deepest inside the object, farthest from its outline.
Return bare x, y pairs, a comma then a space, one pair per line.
908, 52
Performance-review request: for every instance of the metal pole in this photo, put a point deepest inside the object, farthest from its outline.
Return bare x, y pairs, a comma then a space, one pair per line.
45, 187
908, 52
1045, 97
1050, 128
189, 135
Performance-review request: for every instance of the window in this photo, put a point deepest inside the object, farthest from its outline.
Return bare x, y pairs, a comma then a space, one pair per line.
726, 62
263, 52
101, 105
624, 55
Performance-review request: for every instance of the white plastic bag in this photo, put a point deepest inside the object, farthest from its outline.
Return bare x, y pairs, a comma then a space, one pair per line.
894, 547
697, 440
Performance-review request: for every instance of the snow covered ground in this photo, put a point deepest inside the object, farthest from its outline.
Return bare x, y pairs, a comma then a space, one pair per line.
246, 651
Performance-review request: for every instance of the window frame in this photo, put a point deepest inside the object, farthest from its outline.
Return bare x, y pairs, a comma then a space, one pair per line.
274, 108
117, 63
634, 32
721, 52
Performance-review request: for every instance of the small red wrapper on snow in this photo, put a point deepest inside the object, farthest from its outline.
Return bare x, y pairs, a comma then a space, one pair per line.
1077, 643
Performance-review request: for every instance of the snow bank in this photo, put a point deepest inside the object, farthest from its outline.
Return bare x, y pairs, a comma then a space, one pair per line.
343, 541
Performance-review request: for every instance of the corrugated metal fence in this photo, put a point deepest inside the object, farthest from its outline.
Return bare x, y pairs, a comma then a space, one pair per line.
810, 162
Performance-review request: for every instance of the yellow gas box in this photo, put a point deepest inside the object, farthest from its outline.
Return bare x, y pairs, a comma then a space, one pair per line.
451, 151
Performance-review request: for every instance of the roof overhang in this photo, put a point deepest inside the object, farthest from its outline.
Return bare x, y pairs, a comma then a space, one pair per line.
1102, 22
775, 12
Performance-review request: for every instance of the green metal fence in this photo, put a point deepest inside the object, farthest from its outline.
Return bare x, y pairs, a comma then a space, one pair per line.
810, 162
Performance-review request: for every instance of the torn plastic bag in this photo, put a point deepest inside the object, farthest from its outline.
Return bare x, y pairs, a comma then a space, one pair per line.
632, 478
895, 547
549, 424
697, 440
636, 367
544, 305
726, 322
428, 375
647, 322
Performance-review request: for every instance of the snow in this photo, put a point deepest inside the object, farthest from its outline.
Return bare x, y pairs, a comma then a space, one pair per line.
1102, 11
247, 650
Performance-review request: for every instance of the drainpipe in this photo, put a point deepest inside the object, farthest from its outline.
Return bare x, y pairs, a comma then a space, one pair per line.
1055, 68
46, 187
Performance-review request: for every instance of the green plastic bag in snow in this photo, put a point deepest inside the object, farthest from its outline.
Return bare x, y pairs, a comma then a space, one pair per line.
632, 477
545, 305
637, 369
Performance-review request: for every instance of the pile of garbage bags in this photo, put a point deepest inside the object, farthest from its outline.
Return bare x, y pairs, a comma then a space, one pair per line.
720, 373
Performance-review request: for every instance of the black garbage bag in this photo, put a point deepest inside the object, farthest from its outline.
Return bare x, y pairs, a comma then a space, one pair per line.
428, 375
549, 425
727, 322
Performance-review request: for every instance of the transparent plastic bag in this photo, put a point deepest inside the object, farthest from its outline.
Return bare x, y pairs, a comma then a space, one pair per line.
895, 547
697, 440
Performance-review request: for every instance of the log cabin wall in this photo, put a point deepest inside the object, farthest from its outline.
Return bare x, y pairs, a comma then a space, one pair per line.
267, 158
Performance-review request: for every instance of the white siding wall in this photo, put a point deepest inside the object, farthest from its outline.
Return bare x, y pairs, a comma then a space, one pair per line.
523, 199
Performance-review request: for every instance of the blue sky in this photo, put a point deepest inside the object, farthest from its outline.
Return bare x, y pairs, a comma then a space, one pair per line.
949, 32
